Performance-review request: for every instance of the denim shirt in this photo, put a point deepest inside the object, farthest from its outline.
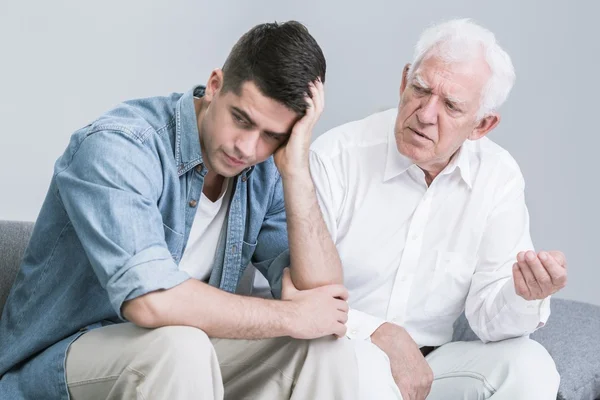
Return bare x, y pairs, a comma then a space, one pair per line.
114, 226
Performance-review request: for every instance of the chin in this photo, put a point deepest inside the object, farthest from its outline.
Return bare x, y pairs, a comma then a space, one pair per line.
411, 152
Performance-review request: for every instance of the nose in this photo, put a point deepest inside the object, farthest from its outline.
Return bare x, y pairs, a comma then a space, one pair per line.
428, 111
245, 145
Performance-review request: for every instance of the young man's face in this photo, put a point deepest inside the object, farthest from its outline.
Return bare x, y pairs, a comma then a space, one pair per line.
238, 131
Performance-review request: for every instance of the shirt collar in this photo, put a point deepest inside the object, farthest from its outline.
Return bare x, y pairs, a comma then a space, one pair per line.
396, 163
187, 152
462, 162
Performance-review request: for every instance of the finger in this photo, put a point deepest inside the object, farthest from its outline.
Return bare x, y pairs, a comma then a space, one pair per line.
560, 258
557, 273
342, 305
541, 275
342, 317
340, 330
319, 96
337, 291
422, 392
532, 284
404, 393
520, 285
309, 114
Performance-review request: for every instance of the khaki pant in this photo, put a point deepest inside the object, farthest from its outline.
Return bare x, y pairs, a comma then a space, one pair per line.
124, 361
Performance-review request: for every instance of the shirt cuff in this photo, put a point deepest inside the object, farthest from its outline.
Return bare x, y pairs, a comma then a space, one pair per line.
526, 307
147, 271
362, 325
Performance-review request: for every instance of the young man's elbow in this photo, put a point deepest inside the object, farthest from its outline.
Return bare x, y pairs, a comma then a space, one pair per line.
143, 311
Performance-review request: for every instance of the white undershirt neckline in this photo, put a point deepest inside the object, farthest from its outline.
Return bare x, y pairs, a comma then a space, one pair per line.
199, 254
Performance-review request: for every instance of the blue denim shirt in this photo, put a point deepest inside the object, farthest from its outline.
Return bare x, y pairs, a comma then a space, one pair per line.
114, 226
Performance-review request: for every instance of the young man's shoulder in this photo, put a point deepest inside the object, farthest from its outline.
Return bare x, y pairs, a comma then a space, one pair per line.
139, 117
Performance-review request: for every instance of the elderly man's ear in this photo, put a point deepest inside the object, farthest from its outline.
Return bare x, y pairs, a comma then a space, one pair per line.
485, 126
404, 78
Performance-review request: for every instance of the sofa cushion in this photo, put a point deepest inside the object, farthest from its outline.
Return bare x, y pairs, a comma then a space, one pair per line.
572, 337
14, 237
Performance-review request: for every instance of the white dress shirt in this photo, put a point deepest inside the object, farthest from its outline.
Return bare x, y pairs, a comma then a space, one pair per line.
418, 256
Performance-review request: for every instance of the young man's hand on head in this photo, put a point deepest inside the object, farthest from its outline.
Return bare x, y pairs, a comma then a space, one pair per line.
292, 158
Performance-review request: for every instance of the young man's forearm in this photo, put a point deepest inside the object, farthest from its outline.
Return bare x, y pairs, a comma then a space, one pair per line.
217, 313
314, 258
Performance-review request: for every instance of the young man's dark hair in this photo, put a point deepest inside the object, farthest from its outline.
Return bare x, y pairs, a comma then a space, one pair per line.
281, 59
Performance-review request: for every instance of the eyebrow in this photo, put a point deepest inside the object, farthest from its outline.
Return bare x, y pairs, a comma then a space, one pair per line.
421, 82
451, 99
250, 122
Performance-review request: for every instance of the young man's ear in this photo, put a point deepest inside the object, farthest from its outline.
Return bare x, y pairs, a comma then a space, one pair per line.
214, 84
485, 126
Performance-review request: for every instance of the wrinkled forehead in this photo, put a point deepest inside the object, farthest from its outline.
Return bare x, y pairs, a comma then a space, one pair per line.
462, 80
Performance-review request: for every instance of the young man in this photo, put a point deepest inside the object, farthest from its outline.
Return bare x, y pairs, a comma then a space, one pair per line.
429, 219
153, 212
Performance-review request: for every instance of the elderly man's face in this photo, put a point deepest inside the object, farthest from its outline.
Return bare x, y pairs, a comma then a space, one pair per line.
438, 110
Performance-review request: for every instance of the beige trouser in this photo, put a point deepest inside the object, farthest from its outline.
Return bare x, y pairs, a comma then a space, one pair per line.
124, 361
514, 369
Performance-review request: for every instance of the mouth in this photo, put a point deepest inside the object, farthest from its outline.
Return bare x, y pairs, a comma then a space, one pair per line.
419, 133
236, 162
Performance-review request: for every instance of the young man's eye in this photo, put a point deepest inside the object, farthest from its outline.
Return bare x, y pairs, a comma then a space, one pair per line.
274, 137
239, 120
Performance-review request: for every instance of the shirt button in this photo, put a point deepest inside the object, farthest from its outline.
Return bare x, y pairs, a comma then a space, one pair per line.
193, 203
353, 332
233, 248
244, 178
415, 237
199, 168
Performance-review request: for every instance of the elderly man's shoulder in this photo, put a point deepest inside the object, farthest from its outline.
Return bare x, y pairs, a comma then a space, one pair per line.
355, 135
492, 157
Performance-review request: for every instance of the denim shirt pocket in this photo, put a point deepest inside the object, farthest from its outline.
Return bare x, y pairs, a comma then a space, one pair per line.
248, 249
174, 242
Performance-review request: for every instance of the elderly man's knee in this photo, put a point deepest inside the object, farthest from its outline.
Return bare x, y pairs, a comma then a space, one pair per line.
529, 359
333, 349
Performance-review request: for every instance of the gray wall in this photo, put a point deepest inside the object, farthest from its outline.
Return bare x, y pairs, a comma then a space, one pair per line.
65, 62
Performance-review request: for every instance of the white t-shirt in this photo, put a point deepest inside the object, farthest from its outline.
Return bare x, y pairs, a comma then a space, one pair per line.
199, 254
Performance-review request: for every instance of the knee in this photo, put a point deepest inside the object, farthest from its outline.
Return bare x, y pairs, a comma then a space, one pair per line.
332, 349
530, 360
181, 346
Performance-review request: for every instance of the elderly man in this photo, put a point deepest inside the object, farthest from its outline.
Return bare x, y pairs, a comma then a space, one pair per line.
429, 219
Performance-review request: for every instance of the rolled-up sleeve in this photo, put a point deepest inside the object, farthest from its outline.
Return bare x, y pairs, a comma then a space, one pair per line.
110, 184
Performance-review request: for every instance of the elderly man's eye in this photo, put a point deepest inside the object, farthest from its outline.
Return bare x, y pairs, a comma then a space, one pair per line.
451, 106
418, 89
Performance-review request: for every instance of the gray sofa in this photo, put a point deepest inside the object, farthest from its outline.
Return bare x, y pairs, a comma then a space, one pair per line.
572, 335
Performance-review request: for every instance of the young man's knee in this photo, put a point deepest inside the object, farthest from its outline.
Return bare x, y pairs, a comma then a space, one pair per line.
182, 344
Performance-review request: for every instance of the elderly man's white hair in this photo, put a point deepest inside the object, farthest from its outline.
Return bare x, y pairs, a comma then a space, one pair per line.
463, 40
